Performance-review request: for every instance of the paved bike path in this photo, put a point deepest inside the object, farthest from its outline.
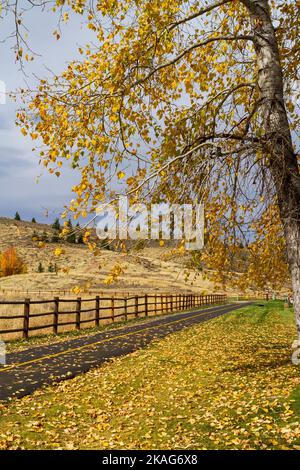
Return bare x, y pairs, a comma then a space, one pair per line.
33, 368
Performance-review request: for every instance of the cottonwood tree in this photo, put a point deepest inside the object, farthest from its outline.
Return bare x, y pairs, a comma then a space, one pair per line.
201, 98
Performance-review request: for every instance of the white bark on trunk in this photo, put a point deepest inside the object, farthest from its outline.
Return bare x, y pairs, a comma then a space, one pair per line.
283, 162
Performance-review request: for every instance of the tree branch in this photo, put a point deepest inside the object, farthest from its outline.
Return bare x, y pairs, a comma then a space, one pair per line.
190, 49
197, 14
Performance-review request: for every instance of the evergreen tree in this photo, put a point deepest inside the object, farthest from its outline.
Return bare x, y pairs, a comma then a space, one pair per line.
33, 221
71, 237
17, 216
56, 225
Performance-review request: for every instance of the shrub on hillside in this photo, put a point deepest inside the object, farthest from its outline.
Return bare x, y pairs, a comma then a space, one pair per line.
11, 263
40, 268
52, 268
55, 238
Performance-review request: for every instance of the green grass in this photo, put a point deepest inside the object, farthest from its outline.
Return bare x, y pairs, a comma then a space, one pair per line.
225, 384
295, 397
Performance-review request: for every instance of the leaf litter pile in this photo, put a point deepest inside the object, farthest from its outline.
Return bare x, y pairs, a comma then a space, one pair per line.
225, 384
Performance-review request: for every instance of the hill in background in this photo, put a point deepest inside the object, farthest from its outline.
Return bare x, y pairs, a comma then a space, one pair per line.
150, 269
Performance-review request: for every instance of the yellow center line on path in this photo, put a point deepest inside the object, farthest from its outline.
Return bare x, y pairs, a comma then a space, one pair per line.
85, 346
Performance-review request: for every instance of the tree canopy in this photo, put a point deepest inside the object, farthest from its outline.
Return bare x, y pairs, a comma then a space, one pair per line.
173, 89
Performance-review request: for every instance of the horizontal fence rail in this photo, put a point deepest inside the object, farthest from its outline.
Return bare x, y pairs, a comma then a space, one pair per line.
58, 313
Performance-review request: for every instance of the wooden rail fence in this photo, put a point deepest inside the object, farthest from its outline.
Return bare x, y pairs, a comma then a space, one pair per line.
102, 308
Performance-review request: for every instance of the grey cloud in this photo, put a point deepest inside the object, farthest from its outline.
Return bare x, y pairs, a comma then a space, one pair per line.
18, 165
11, 161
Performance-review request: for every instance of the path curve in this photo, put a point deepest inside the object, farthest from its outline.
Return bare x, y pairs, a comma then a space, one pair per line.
34, 368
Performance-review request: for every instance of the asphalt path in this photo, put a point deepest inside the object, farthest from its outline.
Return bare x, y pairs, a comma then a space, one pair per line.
30, 369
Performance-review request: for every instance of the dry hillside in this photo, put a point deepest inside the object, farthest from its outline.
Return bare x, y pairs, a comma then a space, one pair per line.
147, 270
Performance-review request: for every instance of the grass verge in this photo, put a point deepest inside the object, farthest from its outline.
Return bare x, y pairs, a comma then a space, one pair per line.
225, 384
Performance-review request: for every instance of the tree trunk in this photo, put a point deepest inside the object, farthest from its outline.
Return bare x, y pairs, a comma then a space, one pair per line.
283, 163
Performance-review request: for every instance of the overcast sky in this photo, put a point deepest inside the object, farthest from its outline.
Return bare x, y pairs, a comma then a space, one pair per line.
19, 167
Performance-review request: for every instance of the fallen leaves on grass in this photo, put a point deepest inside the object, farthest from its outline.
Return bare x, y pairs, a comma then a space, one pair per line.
225, 384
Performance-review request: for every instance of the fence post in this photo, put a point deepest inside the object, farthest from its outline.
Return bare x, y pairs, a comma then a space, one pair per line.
136, 313
146, 305
78, 312
125, 308
26, 318
155, 304
171, 302
97, 311
55, 315
112, 308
